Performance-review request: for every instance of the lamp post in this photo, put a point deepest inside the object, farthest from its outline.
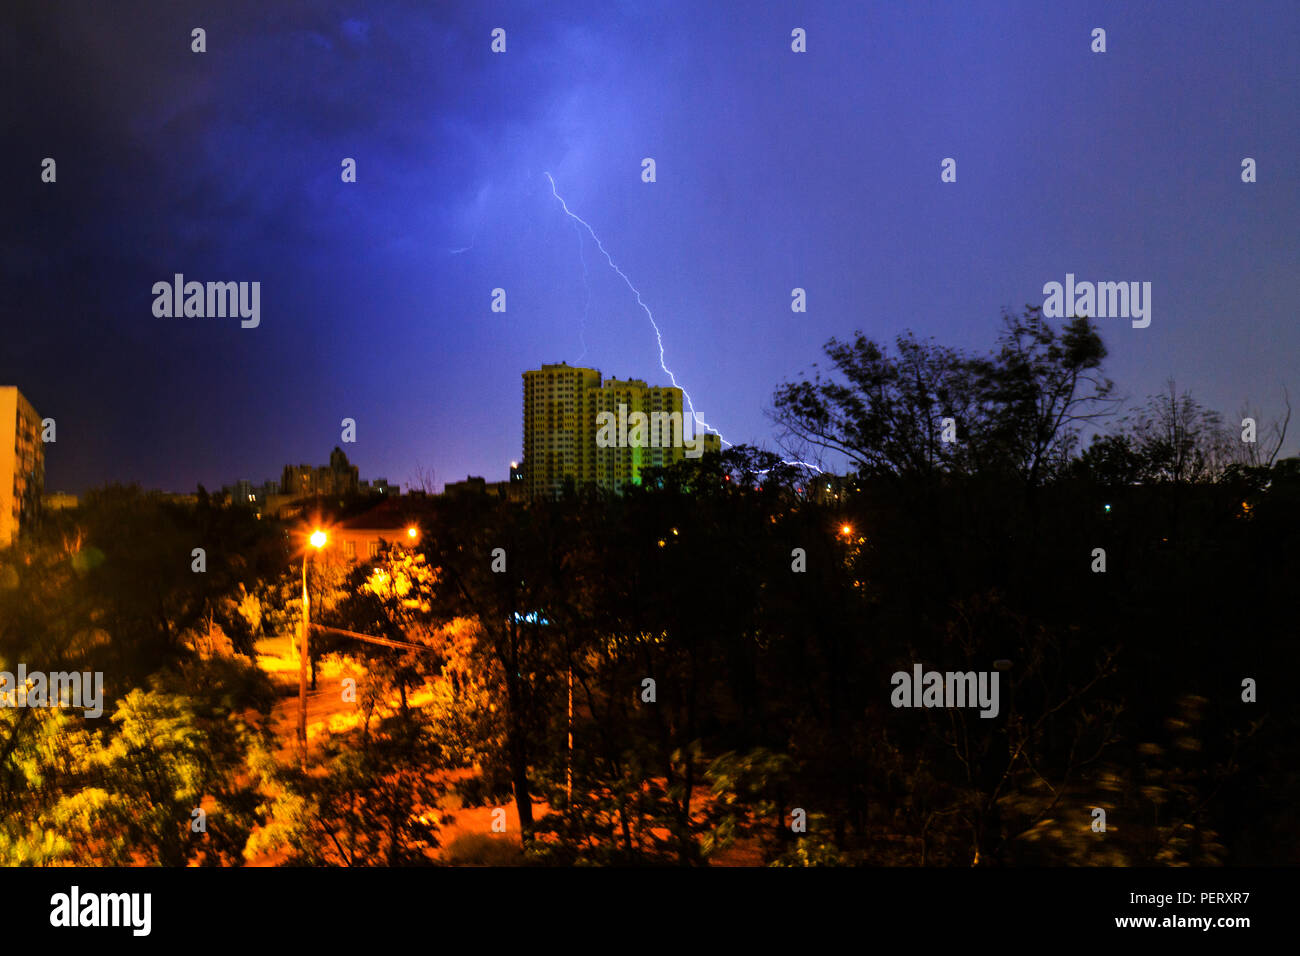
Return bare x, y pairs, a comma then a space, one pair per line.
317, 541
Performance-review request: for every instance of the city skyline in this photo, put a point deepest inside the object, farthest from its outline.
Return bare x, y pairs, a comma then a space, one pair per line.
609, 398
663, 435
375, 296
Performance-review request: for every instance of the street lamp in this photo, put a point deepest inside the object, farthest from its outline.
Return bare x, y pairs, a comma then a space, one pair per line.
317, 540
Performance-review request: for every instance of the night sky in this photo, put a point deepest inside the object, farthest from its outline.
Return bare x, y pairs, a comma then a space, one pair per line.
775, 170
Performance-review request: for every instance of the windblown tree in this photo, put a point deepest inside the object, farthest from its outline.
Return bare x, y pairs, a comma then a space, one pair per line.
884, 412
130, 560
1264, 450
1179, 440
1041, 387
1019, 409
388, 598
167, 783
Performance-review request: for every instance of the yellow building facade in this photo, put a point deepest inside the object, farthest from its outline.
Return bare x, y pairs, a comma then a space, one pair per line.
22, 463
601, 433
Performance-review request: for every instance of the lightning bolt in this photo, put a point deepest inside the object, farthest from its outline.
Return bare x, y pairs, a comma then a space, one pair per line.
579, 221
472, 240
801, 464
639, 301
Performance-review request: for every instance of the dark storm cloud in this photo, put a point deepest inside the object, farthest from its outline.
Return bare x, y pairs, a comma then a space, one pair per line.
775, 170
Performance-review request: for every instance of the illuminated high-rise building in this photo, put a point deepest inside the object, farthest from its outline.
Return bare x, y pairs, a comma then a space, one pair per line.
22, 463
594, 433
616, 464
555, 414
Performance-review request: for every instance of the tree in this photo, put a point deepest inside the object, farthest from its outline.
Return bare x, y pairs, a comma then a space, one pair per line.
1018, 410
365, 799
884, 412
1042, 386
1264, 450
130, 795
1179, 440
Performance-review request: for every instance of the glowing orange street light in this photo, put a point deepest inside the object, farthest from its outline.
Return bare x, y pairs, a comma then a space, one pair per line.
846, 529
411, 532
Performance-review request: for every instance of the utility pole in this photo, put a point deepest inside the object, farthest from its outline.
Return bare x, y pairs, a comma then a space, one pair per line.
317, 541
568, 772
303, 651
568, 766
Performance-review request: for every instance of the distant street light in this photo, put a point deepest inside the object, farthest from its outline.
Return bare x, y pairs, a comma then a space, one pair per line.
411, 532
317, 540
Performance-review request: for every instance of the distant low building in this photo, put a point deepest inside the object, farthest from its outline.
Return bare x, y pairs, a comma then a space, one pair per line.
243, 494
828, 489
60, 501
257, 498
470, 486
281, 506
473, 485
337, 479
362, 537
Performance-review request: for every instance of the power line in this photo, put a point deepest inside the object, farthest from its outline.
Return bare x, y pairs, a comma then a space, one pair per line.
371, 639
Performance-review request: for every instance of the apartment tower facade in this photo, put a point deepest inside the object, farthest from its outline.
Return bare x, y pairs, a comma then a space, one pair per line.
563, 406
22, 463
